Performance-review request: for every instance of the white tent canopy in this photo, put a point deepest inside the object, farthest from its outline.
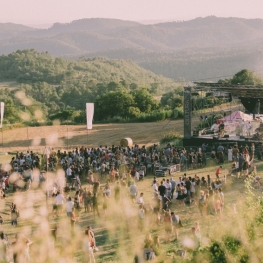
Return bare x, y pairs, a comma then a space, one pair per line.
236, 116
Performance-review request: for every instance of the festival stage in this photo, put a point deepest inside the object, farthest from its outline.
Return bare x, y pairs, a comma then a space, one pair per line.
213, 139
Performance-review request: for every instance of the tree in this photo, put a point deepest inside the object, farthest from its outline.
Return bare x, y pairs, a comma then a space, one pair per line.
144, 100
246, 77
172, 100
134, 112
114, 103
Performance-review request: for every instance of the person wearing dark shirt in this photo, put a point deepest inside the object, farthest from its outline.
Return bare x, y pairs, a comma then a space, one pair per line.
188, 186
161, 189
96, 186
117, 190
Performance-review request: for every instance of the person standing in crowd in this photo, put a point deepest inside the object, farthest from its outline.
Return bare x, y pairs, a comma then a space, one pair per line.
117, 190
141, 217
197, 233
92, 238
241, 161
14, 214
161, 189
73, 218
173, 185
168, 224
59, 202
235, 153
230, 154
69, 174
133, 191
20, 249
248, 128
69, 207
175, 222
218, 171
95, 204
87, 239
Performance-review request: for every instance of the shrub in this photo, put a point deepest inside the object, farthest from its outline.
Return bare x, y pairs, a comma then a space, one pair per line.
217, 253
170, 137
232, 244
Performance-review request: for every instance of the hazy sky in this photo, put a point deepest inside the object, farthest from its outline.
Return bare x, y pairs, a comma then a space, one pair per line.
37, 12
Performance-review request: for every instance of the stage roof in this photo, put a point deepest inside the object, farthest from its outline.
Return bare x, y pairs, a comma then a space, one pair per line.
247, 91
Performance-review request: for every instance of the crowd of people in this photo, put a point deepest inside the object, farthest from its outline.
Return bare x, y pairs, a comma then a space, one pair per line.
111, 174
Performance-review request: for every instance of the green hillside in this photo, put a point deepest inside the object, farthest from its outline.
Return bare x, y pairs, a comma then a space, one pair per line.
29, 66
55, 85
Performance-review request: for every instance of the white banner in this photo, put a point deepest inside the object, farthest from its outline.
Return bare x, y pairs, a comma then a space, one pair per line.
89, 115
2, 108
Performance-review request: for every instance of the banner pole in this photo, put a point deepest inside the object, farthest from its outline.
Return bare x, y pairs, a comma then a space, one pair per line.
67, 134
2, 138
87, 132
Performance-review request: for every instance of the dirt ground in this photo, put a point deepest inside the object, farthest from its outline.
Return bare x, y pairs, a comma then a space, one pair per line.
68, 137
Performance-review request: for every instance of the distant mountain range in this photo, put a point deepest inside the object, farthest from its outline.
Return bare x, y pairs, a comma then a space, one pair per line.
203, 48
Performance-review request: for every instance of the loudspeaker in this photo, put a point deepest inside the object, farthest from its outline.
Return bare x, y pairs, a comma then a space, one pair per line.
242, 137
226, 136
246, 139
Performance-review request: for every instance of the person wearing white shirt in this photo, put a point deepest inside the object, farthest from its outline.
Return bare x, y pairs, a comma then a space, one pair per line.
69, 207
21, 162
141, 174
68, 172
59, 201
140, 199
3, 186
155, 188
179, 181
248, 128
168, 186
133, 191
137, 176
141, 217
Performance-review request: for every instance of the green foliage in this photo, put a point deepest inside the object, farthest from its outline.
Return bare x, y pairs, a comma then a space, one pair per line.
144, 100
232, 244
56, 86
243, 77
114, 103
66, 115
170, 137
172, 99
246, 77
244, 258
217, 253
29, 66
133, 112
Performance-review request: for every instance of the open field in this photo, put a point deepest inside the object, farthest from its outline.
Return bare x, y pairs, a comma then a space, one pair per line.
117, 234
59, 136
8, 85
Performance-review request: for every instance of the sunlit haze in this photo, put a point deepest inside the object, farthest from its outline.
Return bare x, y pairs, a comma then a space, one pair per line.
44, 13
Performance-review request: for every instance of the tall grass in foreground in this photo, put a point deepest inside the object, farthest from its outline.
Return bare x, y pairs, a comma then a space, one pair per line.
237, 237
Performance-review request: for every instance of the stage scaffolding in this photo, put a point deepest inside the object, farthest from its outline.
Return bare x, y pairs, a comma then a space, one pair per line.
250, 96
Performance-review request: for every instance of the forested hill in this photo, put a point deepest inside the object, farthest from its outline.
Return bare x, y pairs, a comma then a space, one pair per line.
29, 66
59, 88
92, 35
202, 48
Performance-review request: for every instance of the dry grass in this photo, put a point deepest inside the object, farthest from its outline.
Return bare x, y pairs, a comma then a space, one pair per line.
8, 85
118, 237
101, 134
